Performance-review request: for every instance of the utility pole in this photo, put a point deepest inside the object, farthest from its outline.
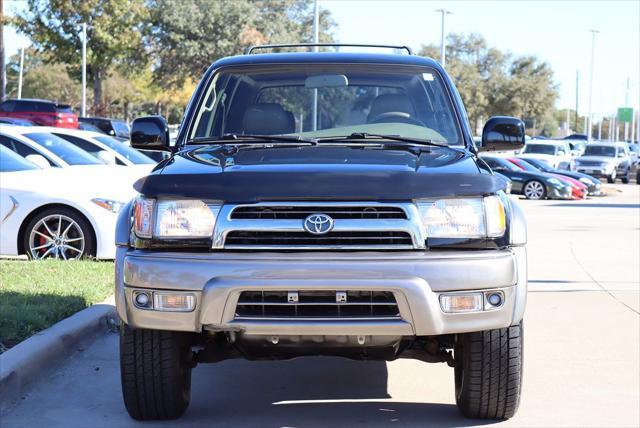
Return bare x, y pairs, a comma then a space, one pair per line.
316, 37
600, 128
3, 73
577, 92
84, 70
442, 33
611, 128
593, 48
20, 73
626, 104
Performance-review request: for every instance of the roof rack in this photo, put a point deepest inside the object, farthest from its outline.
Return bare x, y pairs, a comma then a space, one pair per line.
251, 49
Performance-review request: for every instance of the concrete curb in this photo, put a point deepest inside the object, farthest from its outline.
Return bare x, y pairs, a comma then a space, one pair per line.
29, 360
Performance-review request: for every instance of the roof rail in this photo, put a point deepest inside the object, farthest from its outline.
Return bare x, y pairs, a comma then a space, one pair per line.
251, 49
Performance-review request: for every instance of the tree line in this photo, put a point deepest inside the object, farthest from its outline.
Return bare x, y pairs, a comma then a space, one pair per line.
146, 56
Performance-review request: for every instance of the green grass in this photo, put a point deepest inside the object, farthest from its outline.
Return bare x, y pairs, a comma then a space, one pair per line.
36, 294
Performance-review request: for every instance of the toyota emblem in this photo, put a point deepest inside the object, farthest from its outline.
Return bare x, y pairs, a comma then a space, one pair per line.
318, 224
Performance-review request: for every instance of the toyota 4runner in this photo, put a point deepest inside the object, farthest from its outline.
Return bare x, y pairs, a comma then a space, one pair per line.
322, 204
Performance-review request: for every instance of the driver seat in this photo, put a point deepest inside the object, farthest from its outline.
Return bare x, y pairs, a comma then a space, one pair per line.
398, 105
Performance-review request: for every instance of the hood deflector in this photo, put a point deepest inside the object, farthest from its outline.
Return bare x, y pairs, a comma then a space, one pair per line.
248, 187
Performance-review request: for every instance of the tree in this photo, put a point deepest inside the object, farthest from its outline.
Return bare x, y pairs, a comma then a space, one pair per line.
492, 82
114, 35
186, 36
41, 80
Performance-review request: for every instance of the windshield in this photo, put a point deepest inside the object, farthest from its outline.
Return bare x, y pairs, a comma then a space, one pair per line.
634, 148
606, 151
131, 154
540, 149
327, 100
121, 128
63, 149
11, 161
540, 165
501, 164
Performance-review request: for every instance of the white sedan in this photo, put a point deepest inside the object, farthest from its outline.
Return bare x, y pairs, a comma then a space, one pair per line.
555, 153
66, 213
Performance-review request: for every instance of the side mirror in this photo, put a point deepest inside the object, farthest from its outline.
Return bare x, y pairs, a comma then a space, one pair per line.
150, 133
107, 157
38, 160
502, 133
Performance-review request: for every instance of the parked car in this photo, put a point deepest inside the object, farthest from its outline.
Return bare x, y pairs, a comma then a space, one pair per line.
506, 179
606, 160
44, 216
582, 137
40, 112
96, 143
15, 121
577, 147
533, 185
274, 230
634, 152
555, 153
83, 126
592, 183
114, 127
579, 190
47, 150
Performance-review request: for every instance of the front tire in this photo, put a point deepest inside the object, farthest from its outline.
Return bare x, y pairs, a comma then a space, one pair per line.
612, 178
155, 370
535, 190
627, 177
488, 372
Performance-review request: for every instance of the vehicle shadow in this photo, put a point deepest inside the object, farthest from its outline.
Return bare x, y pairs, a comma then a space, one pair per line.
307, 392
590, 205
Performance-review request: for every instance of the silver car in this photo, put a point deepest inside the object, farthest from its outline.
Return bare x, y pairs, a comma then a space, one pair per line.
606, 160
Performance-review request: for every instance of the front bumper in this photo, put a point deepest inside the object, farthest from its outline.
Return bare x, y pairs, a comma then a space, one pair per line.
417, 279
554, 192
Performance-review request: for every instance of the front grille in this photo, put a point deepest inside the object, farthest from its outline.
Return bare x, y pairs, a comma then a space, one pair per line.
589, 163
317, 304
331, 239
277, 212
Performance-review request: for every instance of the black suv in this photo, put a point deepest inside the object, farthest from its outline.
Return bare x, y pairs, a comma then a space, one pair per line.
322, 204
116, 128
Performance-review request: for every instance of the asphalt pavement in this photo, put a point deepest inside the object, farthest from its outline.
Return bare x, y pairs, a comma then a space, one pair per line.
581, 361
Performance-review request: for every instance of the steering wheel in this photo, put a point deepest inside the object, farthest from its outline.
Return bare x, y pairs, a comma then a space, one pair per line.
395, 116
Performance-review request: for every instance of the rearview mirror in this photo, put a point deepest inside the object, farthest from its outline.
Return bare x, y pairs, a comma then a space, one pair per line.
38, 160
502, 133
150, 133
326, 81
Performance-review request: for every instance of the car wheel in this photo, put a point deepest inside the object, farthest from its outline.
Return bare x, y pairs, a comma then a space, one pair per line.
488, 372
534, 189
627, 177
60, 233
612, 178
155, 371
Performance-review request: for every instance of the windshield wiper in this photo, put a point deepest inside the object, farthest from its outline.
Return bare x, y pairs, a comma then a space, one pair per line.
251, 138
370, 136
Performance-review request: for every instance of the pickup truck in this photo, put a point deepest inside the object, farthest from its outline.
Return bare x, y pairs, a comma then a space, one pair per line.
322, 203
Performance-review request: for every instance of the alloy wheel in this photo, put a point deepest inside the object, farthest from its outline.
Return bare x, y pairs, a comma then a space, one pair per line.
56, 236
534, 190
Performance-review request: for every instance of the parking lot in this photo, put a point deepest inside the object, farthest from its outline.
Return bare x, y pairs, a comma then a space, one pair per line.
581, 362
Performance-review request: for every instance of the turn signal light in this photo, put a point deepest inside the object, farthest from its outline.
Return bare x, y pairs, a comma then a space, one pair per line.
453, 303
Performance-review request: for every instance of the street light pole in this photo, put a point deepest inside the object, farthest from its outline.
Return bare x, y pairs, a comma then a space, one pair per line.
593, 47
20, 73
442, 43
84, 69
316, 37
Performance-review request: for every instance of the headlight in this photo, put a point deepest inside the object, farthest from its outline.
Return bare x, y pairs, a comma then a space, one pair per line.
586, 181
463, 218
185, 218
555, 182
108, 204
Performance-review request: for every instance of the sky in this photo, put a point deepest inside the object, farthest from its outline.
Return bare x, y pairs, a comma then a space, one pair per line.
555, 31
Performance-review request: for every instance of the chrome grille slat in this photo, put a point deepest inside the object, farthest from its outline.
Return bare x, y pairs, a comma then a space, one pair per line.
278, 226
320, 304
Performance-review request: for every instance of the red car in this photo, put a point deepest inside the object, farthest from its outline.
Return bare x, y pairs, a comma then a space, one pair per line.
579, 190
41, 112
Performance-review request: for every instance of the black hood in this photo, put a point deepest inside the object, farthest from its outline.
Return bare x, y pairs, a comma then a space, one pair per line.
348, 173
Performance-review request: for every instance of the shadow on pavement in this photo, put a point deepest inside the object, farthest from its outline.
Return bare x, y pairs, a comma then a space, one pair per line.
307, 392
578, 204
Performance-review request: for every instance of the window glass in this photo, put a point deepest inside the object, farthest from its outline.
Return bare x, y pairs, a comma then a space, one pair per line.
607, 151
279, 99
131, 154
63, 149
11, 161
21, 148
541, 149
7, 106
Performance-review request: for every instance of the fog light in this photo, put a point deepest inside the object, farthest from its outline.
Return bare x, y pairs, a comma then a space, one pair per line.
173, 302
142, 299
471, 302
494, 299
